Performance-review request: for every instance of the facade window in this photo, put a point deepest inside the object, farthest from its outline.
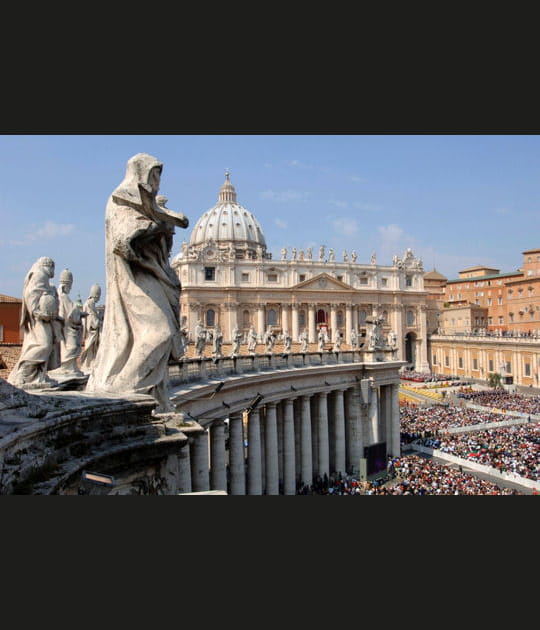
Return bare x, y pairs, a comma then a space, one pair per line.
1, 333
491, 365
272, 277
363, 280
246, 319
272, 319
490, 321
434, 359
408, 281
499, 301
209, 274
302, 277
475, 364
511, 316
508, 367
340, 278
460, 362
410, 318
489, 301
527, 369
339, 318
301, 318
384, 282
245, 277
501, 319
362, 315
210, 317
447, 361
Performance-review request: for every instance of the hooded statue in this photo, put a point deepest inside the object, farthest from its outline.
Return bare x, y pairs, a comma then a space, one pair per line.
141, 328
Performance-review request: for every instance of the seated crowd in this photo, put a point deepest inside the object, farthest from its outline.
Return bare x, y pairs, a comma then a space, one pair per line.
501, 399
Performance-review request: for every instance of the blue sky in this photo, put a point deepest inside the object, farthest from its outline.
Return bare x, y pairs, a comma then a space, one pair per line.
456, 200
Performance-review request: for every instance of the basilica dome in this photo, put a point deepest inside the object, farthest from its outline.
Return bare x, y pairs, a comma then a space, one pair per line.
228, 223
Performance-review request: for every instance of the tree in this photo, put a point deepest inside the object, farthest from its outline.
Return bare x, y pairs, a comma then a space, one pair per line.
494, 380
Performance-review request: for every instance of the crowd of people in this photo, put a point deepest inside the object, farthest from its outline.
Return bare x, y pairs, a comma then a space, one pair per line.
513, 449
501, 399
421, 377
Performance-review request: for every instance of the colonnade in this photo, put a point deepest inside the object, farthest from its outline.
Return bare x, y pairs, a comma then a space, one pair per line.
282, 444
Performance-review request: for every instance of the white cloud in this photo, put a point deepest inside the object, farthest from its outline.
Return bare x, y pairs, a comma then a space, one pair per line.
284, 196
338, 204
358, 179
390, 234
46, 232
346, 226
281, 224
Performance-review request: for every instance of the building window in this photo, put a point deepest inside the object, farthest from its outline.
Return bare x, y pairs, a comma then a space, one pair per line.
209, 273
301, 318
302, 277
1, 333
245, 277
340, 278
339, 318
501, 319
508, 368
447, 361
384, 282
362, 314
475, 364
408, 281
363, 280
210, 317
246, 319
434, 359
489, 301
527, 369
499, 301
410, 318
460, 362
272, 277
272, 318
491, 365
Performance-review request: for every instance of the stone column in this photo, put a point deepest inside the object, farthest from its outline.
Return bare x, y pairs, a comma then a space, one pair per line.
254, 454
373, 417
397, 325
261, 327
232, 309
395, 450
285, 318
324, 452
339, 432
306, 474
333, 321
289, 464
348, 323
355, 318
353, 431
312, 327
294, 319
200, 479
237, 466
271, 451
279, 418
184, 470
218, 471
422, 358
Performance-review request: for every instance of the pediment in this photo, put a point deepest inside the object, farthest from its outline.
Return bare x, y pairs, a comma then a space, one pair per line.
323, 282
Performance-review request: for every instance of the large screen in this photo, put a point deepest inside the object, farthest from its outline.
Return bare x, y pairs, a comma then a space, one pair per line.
375, 455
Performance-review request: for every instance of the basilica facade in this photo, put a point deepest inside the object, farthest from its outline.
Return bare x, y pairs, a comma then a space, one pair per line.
230, 279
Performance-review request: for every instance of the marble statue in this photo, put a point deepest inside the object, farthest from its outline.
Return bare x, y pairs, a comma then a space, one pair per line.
375, 341
301, 255
321, 252
354, 256
141, 324
92, 325
309, 253
217, 342
321, 338
373, 258
345, 256
354, 339
304, 339
252, 339
287, 341
184, 336
338, 338
200, 339
331, 255
293, 253
283, 253
392, 339
236, 340
269, 339
41, 326
73, 316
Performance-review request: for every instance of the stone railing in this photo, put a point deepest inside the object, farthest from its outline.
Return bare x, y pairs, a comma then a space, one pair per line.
485, 338
193, 370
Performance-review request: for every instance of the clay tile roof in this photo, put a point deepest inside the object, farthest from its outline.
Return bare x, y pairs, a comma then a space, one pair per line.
10, 300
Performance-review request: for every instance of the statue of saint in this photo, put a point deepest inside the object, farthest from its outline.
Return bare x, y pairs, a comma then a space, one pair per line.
141, 328
283, 253
354, 339
218, 342
252, 339
304, 341
321, 338
236, 341
42, 329
92, 325
287, 341
354, 256
331, 255
309, 253
269, 339
321, 252
200, 339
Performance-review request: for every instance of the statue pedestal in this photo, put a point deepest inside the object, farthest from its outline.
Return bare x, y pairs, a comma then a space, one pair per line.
372, 356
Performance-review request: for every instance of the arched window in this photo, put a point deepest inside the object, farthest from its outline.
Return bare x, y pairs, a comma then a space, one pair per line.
272, 319
410, 318
246, 319
385, 316
210, 317
321, 316
301, 318
362, 314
